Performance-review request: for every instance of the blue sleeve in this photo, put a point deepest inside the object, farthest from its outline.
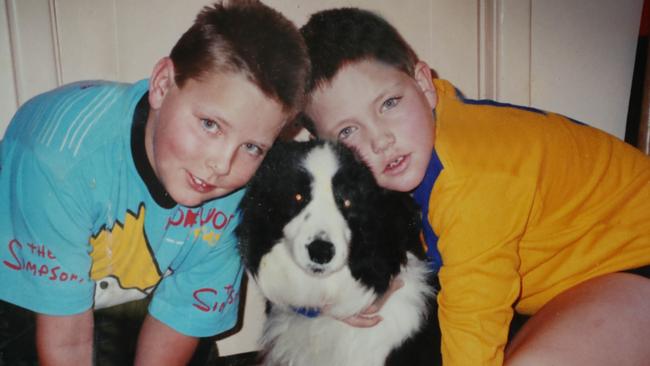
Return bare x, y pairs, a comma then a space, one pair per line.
201, 297
44, 261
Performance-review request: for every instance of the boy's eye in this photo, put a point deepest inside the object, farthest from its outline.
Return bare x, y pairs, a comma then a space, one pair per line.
210, 125
346, 132
390, 103
253, 149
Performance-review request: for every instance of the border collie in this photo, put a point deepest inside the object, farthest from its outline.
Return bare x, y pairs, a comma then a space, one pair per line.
317, 232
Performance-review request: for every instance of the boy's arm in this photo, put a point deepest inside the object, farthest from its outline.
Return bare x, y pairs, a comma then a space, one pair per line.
64, 340
369, 317
479, 222
159, 344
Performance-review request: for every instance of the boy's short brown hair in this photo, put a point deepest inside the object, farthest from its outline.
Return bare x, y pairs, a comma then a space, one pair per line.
249, 37
337, 37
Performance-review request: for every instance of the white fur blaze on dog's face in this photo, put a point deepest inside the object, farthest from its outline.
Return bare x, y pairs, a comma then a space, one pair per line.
318, 237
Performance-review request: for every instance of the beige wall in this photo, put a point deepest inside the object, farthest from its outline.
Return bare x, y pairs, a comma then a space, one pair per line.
571, 56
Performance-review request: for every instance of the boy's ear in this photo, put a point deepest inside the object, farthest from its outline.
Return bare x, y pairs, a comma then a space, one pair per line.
424, 78
162, 79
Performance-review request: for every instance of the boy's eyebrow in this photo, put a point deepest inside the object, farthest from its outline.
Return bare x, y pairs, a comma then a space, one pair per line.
382, 95
262, 144
227, 125
217, 117
387, 91
223, 121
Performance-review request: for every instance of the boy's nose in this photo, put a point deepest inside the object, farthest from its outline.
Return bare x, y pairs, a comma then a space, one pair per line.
221, 163
382, 141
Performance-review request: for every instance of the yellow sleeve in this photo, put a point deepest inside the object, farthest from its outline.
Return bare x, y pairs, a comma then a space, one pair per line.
479, 223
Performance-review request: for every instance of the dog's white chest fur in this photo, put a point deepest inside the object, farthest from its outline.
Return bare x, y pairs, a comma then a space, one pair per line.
296, 340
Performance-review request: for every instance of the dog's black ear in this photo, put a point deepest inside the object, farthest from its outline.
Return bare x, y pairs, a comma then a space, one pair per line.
266, 205
382, 234
407, 225
253, 230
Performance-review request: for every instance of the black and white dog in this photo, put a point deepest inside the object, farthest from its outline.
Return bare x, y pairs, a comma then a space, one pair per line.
317, 232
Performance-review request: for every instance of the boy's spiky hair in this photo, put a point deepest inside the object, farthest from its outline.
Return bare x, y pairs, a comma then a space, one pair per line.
337, 37
249, 37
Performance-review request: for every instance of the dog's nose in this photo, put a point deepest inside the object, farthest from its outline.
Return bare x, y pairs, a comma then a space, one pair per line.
320, 251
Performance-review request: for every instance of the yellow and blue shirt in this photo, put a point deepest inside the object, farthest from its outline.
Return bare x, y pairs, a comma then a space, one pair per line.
520, 205
85, 223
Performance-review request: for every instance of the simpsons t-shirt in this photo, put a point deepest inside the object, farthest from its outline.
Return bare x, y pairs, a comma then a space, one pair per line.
86, 224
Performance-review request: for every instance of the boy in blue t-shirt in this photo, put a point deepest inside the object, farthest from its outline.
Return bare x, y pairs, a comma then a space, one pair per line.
111, 192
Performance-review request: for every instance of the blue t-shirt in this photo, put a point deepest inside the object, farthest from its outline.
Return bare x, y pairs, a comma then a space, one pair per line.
85, 223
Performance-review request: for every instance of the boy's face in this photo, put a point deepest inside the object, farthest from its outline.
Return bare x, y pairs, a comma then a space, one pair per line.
206, 139
384, 114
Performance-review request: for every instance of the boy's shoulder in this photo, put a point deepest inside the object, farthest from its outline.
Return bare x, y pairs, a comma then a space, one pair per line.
75, 96
484, 134
70, 123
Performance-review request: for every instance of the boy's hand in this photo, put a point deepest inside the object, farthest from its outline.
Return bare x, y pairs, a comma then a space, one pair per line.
368, 317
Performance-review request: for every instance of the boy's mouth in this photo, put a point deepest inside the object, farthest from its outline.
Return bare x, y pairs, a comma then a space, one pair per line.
199, 184
397, 165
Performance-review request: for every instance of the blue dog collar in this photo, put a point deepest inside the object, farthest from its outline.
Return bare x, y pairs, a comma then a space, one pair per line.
306, 311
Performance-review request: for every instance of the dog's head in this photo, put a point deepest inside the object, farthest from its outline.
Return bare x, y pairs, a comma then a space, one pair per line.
319, 209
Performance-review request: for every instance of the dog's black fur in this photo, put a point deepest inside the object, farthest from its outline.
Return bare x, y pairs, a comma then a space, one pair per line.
384, 227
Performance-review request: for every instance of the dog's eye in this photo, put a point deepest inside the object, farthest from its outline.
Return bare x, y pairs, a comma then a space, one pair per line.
298, 197
347, 203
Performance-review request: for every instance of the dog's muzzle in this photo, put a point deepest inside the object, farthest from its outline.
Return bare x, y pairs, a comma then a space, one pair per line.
320, 251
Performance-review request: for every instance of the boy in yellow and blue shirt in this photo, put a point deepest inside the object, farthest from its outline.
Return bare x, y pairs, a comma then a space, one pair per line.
524, 211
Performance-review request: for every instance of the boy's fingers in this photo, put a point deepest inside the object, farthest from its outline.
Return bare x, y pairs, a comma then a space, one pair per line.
395, 285
358, 320
366, 318
371, 309
363, 321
